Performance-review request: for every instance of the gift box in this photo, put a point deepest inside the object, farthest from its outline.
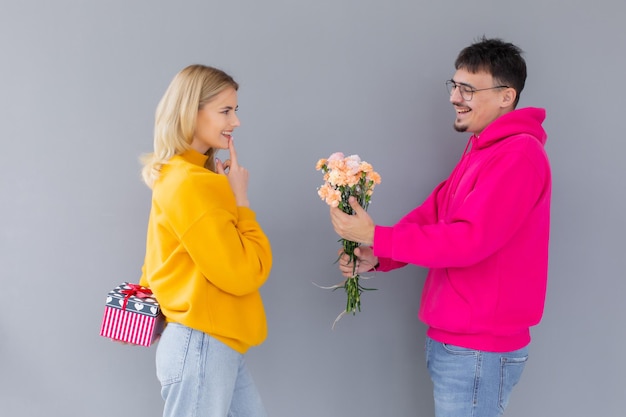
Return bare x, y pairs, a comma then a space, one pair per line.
132, 315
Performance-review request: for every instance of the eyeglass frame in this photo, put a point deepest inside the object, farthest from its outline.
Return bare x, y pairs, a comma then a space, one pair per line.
452, 85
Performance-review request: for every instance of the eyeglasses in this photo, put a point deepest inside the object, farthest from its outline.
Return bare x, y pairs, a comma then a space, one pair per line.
466, 91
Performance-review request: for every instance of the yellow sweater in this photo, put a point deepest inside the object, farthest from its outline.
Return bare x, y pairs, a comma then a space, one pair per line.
206, 258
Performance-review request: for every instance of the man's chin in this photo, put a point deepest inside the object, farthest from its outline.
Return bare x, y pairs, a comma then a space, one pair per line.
460, 128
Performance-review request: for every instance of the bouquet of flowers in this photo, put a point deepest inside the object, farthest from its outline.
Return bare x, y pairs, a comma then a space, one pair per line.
346, 176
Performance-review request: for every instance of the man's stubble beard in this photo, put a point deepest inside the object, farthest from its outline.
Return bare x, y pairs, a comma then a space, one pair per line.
460, 128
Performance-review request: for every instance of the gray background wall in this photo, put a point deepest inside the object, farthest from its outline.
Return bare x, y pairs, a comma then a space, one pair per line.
79, 82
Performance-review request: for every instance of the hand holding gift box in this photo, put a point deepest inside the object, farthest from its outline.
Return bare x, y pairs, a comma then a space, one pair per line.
132, 315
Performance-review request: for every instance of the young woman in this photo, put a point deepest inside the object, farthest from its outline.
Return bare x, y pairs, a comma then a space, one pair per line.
206, 255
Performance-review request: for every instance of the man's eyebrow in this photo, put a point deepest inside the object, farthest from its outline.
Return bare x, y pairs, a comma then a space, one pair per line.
465, 84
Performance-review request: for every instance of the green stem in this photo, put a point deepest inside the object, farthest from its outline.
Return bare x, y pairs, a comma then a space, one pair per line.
353, 293
352, 286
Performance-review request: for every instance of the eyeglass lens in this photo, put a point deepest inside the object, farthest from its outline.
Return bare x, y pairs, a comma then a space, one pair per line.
466, 92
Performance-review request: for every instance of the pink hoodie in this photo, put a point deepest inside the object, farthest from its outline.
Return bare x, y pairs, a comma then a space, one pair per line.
484, 235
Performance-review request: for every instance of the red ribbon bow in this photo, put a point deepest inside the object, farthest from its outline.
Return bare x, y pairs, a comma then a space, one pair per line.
136, 290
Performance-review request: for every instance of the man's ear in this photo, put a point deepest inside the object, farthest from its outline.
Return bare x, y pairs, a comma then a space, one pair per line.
508, 97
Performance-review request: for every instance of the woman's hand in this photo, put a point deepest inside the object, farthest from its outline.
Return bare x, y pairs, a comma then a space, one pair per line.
237, 176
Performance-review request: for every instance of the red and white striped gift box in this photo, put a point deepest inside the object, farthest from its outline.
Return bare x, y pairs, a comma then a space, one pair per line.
132, 315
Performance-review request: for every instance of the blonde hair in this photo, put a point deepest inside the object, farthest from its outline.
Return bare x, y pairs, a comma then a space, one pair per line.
176, 115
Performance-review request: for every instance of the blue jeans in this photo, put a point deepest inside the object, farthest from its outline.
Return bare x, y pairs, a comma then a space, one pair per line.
202, 377
472, 383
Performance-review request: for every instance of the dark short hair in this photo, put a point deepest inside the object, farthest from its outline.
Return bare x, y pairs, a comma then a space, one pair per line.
502, 60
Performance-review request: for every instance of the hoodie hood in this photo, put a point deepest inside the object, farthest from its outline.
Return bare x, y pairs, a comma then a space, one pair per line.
522, 121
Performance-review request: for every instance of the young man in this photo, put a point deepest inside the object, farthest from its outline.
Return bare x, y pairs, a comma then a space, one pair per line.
483, 233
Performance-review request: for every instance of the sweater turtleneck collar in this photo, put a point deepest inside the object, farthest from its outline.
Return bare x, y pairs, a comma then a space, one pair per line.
195, 157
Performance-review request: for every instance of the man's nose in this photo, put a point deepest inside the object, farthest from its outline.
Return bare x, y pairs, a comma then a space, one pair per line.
455, 95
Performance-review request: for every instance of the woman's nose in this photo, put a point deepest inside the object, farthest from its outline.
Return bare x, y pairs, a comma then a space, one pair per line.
236, 122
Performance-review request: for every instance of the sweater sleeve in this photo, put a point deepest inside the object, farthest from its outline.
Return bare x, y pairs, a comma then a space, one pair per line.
231, 250
225, 242
507, 189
